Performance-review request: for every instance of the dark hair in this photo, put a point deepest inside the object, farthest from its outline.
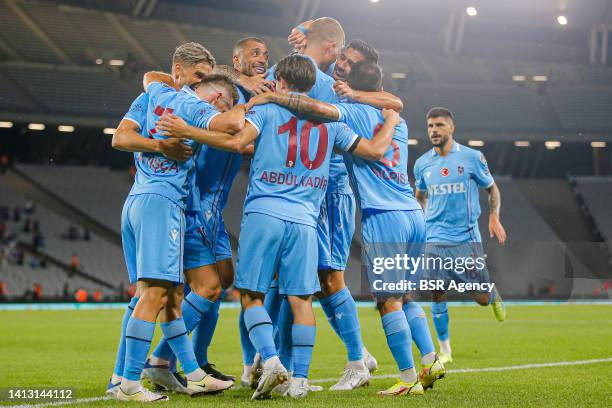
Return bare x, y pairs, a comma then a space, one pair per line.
220, 80
240, 44
299, 72
369, 53
365, 76
439, 112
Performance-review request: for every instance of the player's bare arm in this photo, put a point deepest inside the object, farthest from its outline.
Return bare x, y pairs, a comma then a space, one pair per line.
231, 121
128, 139
174, 126
156, 76
421, 197
299, 103
376, 148
380, 100
255, 84
495, 227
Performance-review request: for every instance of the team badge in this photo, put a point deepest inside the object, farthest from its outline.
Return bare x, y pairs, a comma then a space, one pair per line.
444, 172
460, 169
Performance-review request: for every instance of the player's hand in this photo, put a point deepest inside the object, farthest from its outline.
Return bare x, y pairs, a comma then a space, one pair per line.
496, 229
260, 99
248, 150
175, 149
257, 84
391, 116
297, 39
343, 90
171, 125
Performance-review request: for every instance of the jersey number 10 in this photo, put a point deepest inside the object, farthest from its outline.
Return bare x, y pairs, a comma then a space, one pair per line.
304, 142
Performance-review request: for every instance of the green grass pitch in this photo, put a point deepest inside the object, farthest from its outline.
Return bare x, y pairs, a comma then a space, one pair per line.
77, 349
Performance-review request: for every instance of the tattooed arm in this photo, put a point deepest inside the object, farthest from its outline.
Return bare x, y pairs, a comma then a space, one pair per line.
495, 227
311, 108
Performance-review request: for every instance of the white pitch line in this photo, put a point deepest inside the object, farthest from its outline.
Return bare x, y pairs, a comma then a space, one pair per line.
374, 377
490, 369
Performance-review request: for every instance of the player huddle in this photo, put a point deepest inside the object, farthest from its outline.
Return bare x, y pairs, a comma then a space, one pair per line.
323, 137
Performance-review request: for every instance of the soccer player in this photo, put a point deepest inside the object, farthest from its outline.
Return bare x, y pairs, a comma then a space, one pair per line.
286, 188
207, 244
447, 181
190, 63
390, 214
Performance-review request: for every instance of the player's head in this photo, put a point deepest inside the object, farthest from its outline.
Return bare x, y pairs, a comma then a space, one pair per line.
365, 76
355, 51
218, 90
190, 63
295, 73
440, 126
325, 40
250, 56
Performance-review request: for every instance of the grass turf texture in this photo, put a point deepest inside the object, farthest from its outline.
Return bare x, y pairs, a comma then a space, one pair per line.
77, 349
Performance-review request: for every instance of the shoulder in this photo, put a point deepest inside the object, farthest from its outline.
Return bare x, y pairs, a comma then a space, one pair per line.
472, 154
424, 159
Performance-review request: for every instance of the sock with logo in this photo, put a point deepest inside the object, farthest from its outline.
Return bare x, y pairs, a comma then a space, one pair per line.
343, 308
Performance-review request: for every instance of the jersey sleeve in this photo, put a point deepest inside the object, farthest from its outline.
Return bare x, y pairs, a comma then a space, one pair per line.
202, 113
345, 111
256, 117
481, 172
138, 110
419, 181
345, 138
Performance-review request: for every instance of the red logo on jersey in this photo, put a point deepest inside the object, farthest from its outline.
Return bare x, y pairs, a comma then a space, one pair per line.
444, 172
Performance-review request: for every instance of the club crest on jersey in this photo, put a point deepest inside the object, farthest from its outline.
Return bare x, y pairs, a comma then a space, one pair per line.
444, 172
460, 169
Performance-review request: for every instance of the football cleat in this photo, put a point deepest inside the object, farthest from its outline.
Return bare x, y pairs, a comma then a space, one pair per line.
431, 373
499, 308
163, 379
210, 369
298, 388
403, 388
445, 358
142, 395
271, 377
351, 379
256, 371
112, 389
369, 361
208, 385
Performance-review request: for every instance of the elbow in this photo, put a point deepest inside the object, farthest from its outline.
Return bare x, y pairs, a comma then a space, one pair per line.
116, 142
399, 106
235, 125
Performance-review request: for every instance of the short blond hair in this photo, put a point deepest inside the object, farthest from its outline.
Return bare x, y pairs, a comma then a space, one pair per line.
193, 53
326, 29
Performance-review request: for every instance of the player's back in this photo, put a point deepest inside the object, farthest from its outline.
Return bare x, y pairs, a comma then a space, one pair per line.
290, 169
156, 173
383, 184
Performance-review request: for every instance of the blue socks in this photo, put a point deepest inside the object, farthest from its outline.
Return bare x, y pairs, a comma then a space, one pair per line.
120, 360
303, 339
285, 323
248, 351
399, 338
194, 308
439, 313
341, 311
259, 327
203, 333
175, 333
272, 303
138, 336
417, 320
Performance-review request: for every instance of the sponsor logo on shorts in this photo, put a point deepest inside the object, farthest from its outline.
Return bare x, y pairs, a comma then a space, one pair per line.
174, 234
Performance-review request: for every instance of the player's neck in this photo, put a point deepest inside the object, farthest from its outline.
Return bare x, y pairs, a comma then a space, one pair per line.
317, 57
446, 149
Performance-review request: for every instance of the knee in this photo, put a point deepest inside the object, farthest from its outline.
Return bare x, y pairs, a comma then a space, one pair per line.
209, 290
389, 306
154, 298
331, 282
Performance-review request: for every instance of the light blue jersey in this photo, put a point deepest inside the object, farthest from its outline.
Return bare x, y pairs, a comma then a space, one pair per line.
138, 112
290, 171
323, 90
157, 174
452, 184
384, 184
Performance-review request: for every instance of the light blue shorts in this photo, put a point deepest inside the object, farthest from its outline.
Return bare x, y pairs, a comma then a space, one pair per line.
335, 230
152, 232
206, 239
390, 240
268, 245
